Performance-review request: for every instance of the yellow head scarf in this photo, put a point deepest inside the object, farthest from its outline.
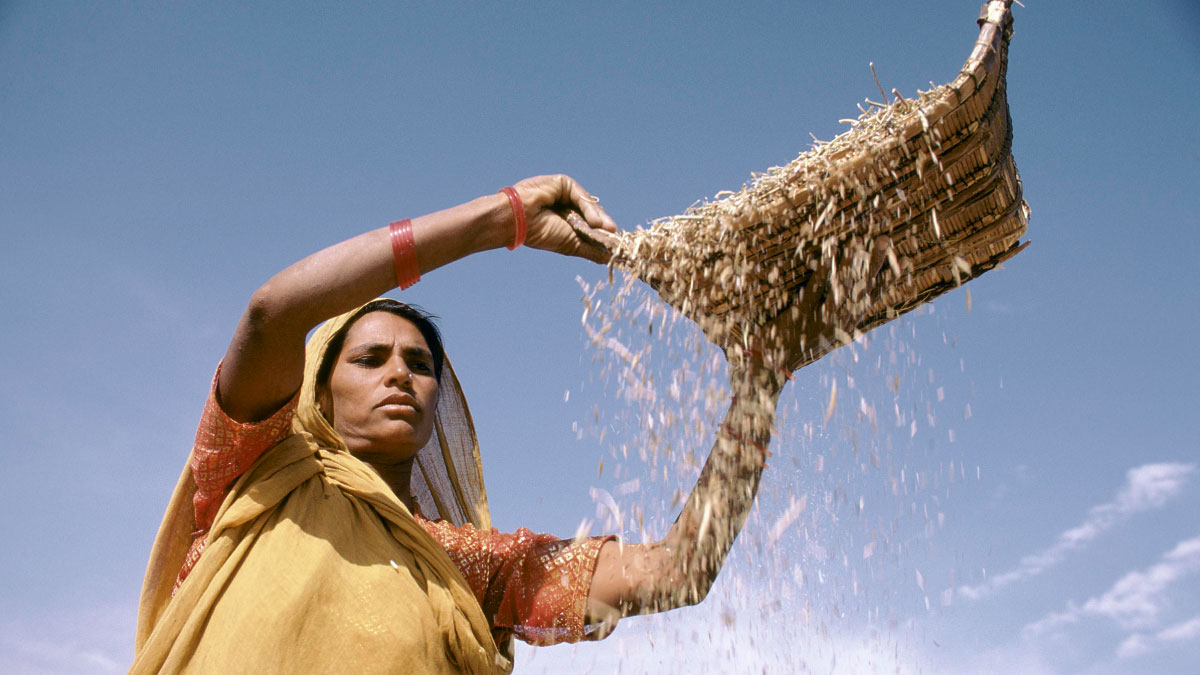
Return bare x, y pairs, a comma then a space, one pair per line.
447, 481
313, 564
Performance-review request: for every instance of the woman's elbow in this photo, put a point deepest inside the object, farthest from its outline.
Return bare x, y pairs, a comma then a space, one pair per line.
268, 306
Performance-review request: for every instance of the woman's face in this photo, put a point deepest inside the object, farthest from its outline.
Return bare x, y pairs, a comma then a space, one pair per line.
382, 389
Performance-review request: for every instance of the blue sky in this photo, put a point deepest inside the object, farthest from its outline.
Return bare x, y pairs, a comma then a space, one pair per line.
159, 161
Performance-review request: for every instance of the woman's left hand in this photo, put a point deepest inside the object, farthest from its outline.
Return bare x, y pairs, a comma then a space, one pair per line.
561, 216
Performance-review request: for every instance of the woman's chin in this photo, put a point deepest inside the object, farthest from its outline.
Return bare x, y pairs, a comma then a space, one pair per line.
386, 456
390, 448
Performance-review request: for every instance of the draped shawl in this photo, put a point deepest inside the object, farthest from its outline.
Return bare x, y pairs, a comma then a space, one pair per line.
313, 564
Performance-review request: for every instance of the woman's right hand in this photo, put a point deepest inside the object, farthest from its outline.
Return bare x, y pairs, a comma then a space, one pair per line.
561, 216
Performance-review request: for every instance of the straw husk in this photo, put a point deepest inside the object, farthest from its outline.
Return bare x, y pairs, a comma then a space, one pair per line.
931, 178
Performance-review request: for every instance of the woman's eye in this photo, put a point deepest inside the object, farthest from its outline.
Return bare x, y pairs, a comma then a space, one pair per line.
366, 361
422, 367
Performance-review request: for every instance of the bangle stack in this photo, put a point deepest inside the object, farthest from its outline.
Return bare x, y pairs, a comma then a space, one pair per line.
404, 248
404, 253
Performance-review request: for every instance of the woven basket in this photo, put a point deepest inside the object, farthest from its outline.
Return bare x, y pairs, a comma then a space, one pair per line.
932, 179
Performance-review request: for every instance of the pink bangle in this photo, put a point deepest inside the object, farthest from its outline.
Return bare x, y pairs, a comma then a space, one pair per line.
404, 253
518, 209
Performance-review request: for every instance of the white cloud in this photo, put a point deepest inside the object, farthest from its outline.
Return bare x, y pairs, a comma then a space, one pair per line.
1137, 598
1054, 620
1136, 602
1150, 486
1146, 487
1181, 632
1133, 646
1139, 644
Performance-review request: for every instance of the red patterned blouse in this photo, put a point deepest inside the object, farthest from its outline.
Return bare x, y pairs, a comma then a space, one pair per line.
533, 586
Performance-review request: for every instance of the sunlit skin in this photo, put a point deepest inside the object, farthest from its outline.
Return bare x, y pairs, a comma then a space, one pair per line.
382, 395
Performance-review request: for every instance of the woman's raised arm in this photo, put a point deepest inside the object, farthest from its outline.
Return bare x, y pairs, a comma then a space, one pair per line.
264, 364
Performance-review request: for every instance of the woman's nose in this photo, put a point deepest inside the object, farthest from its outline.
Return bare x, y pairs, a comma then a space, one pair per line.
398, 373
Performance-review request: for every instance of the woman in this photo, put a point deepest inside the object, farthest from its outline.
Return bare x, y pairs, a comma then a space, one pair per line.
295, 542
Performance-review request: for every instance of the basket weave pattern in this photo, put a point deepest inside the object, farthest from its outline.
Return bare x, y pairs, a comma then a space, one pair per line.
931, 178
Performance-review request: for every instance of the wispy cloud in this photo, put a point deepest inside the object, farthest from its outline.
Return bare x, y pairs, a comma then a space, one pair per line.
1146, 487
1139, 644
1136, 601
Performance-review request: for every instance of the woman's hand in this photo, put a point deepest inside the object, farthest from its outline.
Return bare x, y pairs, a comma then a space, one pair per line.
561, 216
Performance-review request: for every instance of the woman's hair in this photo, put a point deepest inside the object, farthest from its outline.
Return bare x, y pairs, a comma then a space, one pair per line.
423, 322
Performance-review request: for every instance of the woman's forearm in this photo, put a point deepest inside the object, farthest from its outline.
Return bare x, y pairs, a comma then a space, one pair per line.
264, 363
357, 270
718, 506
679, 570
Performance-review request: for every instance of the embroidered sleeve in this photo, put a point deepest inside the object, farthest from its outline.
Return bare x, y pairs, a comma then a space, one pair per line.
533, 586
225, 449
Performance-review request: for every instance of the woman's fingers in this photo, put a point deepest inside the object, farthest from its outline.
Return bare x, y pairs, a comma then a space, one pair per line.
573, 195
588, 205
596, 244
565, 218
605, 238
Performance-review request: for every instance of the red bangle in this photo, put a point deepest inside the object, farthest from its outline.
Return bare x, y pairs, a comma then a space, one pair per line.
404, 253
518, 209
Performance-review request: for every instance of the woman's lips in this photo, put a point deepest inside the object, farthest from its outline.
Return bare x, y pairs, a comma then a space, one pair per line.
400, 401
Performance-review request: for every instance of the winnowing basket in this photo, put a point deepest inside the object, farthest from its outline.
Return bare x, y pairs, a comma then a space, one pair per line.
932, 179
